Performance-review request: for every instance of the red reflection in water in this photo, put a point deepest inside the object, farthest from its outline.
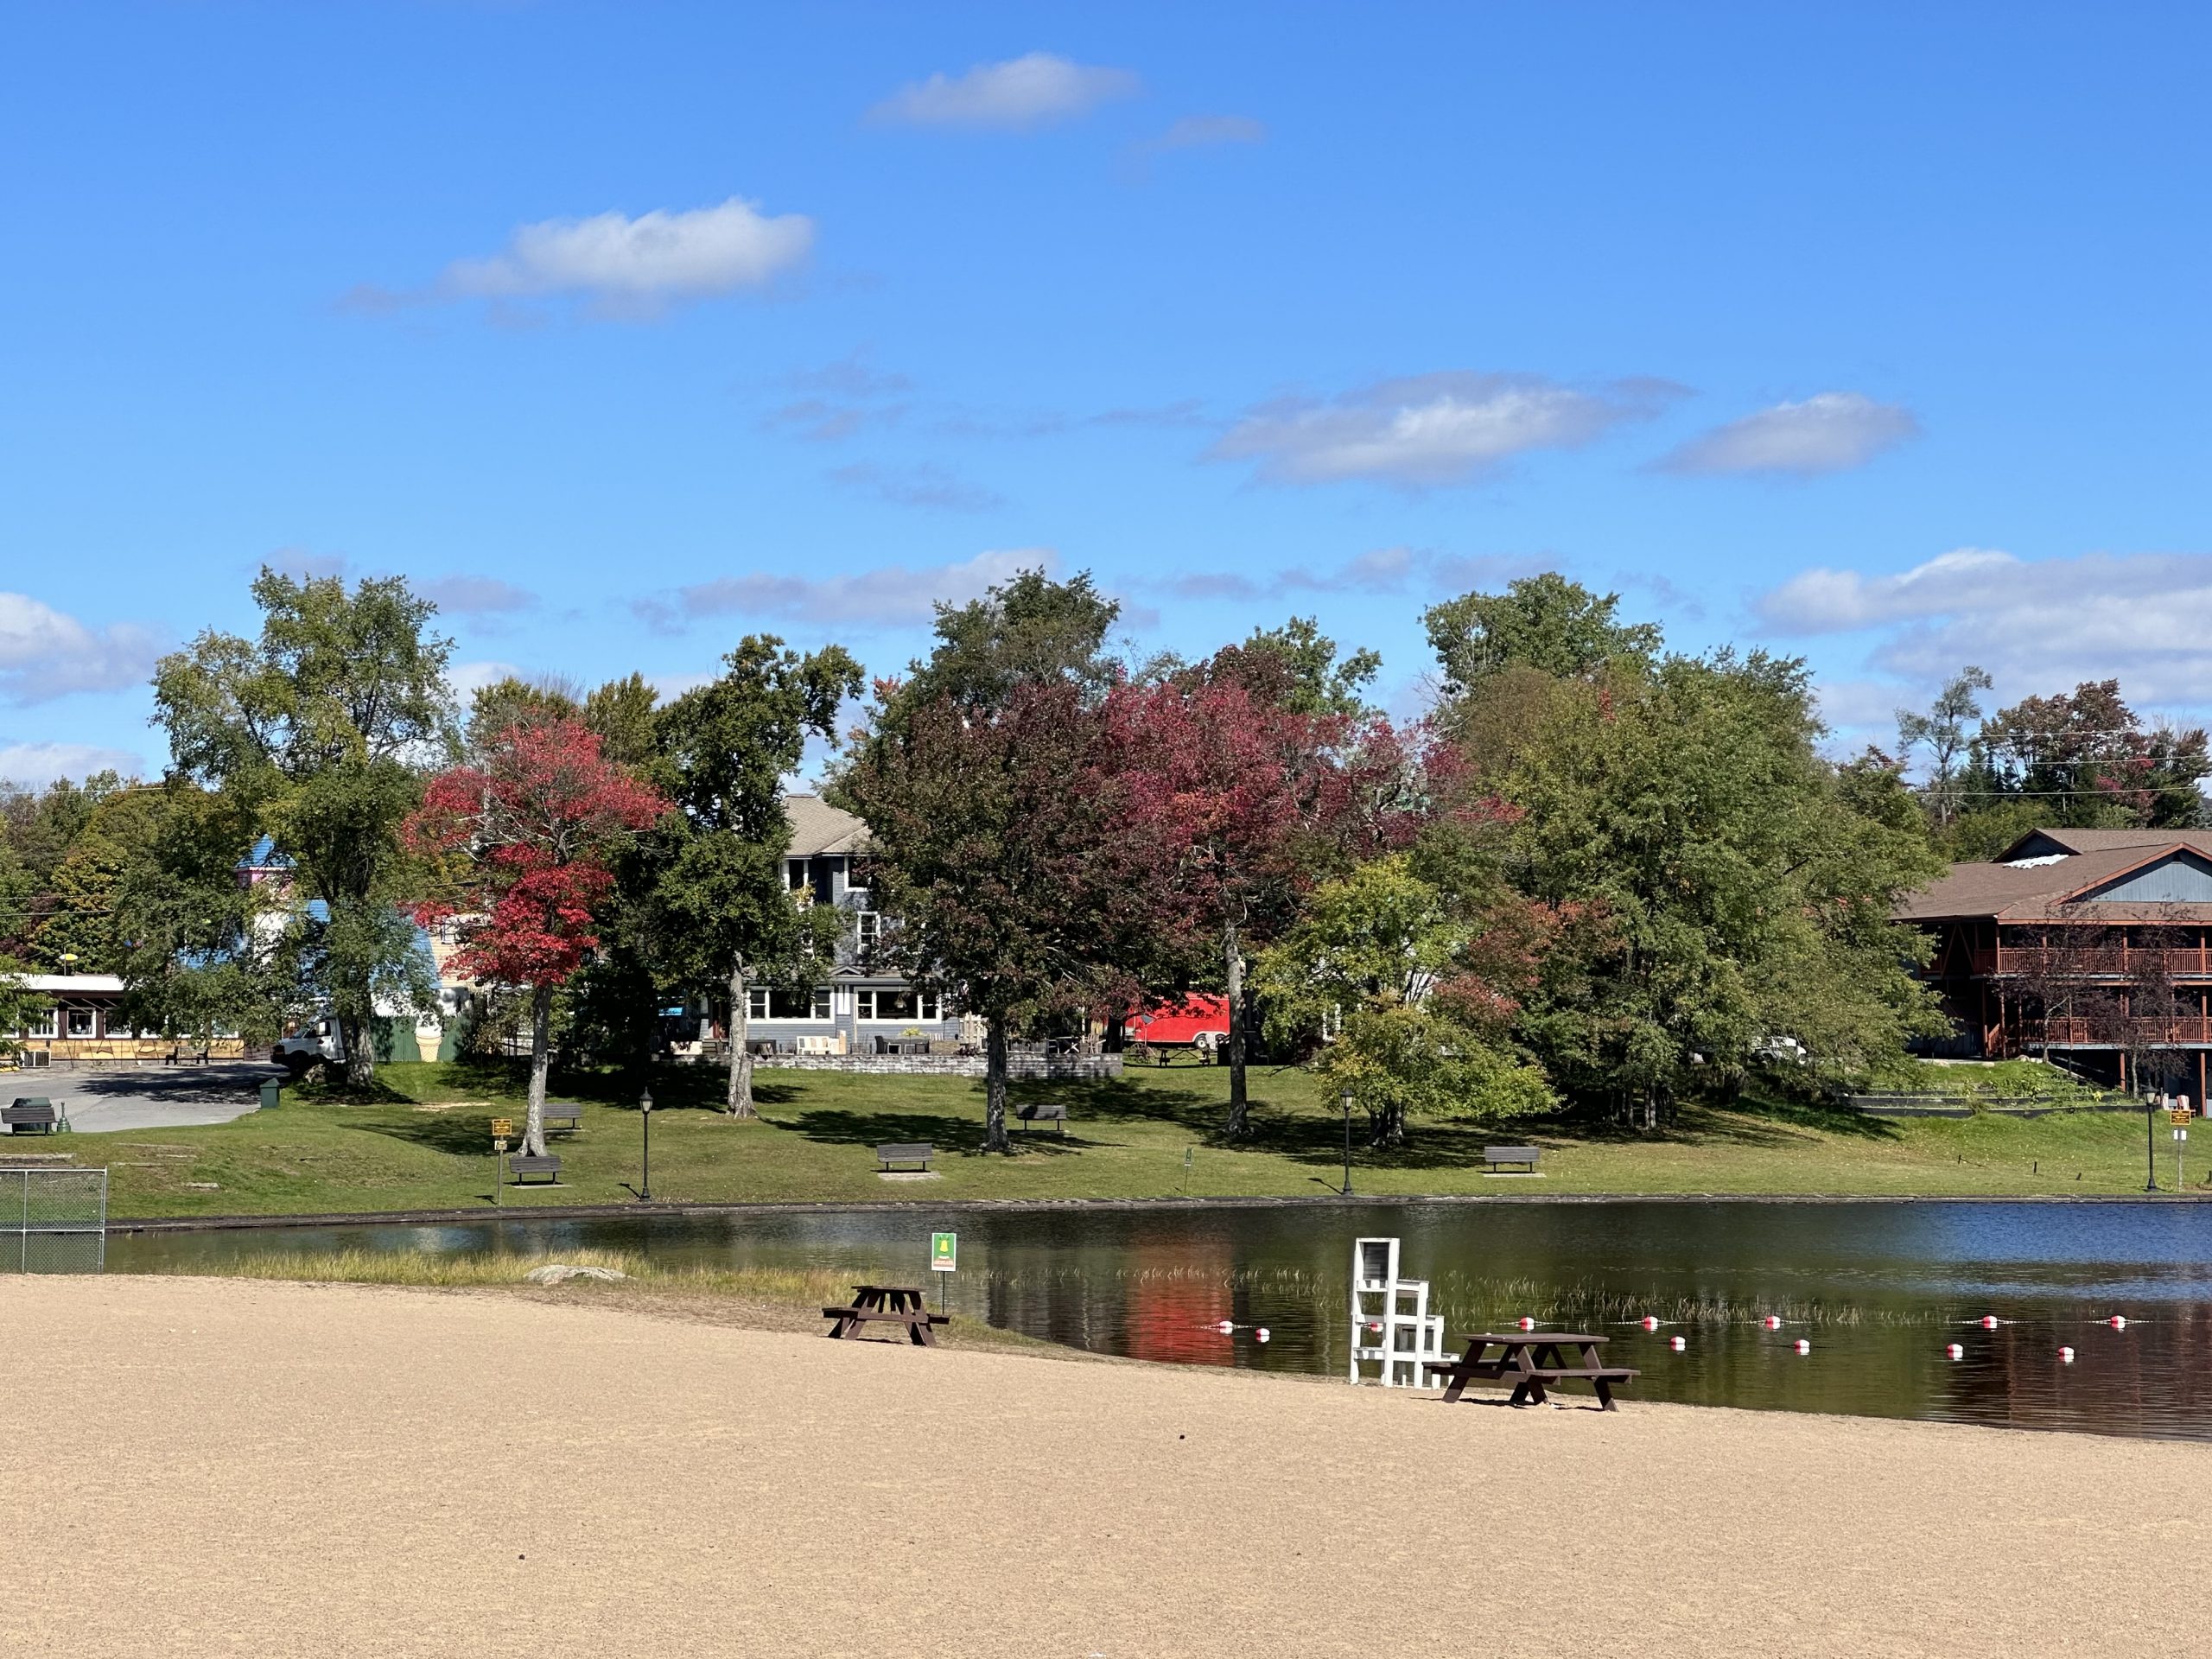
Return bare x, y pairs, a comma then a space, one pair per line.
1176, 1299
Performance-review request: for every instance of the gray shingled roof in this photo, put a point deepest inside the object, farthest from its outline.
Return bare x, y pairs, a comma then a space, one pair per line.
2014, 892
818, 827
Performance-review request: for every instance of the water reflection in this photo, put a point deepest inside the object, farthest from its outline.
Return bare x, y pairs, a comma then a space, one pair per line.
1878, 1289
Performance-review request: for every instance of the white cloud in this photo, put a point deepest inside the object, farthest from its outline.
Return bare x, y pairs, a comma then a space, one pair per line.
1382, 570
1431, 428
466, 679
1025, 91
925, 486
476, 595
1829, 432
34, 765
639, 262
1197, 131
888, 596
46, 653
2037, 626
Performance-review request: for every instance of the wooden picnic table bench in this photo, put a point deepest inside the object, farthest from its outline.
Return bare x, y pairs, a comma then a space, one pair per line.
1531, 1359
919, 1152
34, 1114
1494, 1156
1044, 1111
562, 1115
889, 1304
523, 1167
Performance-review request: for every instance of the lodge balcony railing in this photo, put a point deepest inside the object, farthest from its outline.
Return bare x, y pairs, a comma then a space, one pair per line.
2187, 963
2108, 1034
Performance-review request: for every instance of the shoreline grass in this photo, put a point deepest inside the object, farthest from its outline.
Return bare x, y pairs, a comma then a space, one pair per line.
423, 1145
751, 1298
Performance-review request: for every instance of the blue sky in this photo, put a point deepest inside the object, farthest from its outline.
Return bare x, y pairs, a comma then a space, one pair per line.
1874, 334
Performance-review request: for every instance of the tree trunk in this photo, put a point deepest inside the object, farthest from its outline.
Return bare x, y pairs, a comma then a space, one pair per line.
740, 1057
361, 1060
1233, 964
541, 1047
995, 1085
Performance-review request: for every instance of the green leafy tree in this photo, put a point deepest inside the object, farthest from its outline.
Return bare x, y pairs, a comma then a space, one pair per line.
80, 931
1415, 987
1720, 885
1001, 851
2084, 759
1944, 732
1543, 622
319, 729
728, 917
206, 956
18, 1002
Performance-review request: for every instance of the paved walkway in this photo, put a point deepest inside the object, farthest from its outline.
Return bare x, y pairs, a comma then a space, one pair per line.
105, 1100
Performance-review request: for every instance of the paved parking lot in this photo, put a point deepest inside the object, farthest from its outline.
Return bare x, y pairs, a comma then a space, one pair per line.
103, 1099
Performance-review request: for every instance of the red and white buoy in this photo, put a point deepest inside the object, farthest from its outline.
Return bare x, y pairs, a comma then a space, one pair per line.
1375, 1325
1227, 1327
1648, 1323
1260, 1335
2118, 1322
1773, 1321
1803, 1346
2066, 1356
1678, 1343
1989, 1321
1955, 1351
1527, 1324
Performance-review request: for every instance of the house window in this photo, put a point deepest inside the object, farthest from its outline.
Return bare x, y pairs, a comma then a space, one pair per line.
903, 1005
79, 1022
857, 873
795, 875
39, 1024
761, 1003
112, 1024
869, 927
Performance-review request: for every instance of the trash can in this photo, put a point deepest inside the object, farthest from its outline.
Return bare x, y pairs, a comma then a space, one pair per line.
271, 1091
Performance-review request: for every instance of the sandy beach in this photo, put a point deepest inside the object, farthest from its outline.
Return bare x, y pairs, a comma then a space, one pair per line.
206, 1467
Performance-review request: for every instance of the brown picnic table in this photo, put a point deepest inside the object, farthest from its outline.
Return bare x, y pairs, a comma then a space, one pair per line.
887, 1304
1530, 1360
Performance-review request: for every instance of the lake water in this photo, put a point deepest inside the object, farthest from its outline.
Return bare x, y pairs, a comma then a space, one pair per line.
1879, 1290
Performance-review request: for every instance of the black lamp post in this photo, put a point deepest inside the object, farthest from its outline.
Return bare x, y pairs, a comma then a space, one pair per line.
1347, 1192
645, 1124
2150, 1143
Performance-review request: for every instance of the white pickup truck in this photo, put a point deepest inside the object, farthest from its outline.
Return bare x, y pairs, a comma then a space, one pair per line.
309, 1046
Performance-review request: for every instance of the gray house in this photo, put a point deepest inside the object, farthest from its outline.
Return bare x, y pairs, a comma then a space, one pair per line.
862, 1007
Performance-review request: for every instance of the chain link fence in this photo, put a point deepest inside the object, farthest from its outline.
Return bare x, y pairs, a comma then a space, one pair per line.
53, 1220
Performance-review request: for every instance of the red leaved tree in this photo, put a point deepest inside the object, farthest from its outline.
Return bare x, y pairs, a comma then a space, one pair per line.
525, 832
1250, 801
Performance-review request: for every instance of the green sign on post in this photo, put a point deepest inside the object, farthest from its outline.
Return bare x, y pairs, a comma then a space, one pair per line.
944, 1252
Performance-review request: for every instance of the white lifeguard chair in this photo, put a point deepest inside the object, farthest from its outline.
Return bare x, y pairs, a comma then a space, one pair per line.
1392, 1329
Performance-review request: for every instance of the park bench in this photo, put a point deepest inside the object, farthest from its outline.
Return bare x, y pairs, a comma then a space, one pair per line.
35, 1115
521, 1168
920, 1152
564, 1115
185, 1054
1493, 1157
1044, 1111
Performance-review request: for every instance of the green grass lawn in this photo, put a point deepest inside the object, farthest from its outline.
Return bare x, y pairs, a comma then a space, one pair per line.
427, 1145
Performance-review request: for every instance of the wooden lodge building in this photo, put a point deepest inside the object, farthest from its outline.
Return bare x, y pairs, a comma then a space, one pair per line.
2091, 946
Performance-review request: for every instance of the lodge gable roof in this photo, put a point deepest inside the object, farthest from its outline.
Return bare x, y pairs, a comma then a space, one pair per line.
2103, 876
